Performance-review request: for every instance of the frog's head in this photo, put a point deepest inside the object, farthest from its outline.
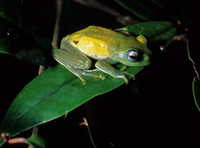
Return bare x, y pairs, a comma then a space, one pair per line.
135, 56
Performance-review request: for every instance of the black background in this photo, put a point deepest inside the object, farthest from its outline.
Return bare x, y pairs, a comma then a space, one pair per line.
152, 110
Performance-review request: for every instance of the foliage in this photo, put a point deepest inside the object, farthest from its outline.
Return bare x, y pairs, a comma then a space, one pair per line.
56, 91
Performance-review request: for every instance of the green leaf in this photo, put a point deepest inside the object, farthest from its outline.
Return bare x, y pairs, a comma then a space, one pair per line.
3, 51
153, 30
36, 142
1, 143
52, 94
4, 46
196, 92
142, 9
4, 42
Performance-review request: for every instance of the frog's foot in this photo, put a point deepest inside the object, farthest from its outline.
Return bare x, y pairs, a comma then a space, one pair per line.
126, 76
82, 80
80, 73
129, 75
91, 73
123, 68
83, 73
123, 77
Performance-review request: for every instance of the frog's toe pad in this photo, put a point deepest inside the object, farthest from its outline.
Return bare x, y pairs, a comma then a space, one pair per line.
83, 81
102, 77
125, 80
129, 75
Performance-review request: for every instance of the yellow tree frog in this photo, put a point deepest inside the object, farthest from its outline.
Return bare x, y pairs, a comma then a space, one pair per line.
105, 47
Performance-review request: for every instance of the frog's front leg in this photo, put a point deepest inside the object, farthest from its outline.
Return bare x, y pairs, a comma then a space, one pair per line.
107, 68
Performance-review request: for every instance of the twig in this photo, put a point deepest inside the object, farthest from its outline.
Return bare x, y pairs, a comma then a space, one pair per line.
41, 69
54, 42
55, 38
125, 20
6, 138
183, 37
35, 131
191, 60
85, 123
96, 4
18, 140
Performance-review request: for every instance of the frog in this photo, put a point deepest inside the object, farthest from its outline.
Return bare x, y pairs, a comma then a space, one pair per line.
96, 48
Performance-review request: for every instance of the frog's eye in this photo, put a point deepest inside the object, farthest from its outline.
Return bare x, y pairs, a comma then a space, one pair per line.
133, 55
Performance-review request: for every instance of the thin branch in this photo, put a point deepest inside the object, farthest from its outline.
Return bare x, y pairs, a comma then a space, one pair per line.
55, 39
41, 69
184, 38
35, 131
125, 20
191, 60
18, 140
85, 123
96, 4
6, 138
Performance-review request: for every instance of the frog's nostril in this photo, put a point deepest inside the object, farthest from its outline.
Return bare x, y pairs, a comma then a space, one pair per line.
75, 42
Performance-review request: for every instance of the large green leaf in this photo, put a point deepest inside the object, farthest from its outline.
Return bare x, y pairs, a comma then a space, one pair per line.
52, 94
196, 92
153, 30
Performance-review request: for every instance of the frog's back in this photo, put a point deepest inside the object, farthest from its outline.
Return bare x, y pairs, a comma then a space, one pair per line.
104, 34
98, 42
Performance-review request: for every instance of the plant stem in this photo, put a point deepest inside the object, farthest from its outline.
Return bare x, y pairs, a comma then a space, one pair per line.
41, 69
55, 39
125, 20
85, 123
191, 60
184, 38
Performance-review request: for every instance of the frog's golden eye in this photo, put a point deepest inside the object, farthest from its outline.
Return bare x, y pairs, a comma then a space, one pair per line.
133, 54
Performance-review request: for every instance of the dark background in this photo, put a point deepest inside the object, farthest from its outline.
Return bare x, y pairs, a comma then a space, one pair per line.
152, 110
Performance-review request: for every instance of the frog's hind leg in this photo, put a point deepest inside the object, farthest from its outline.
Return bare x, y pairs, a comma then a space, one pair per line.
77, 72
80, 73
75, 62
92, 73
